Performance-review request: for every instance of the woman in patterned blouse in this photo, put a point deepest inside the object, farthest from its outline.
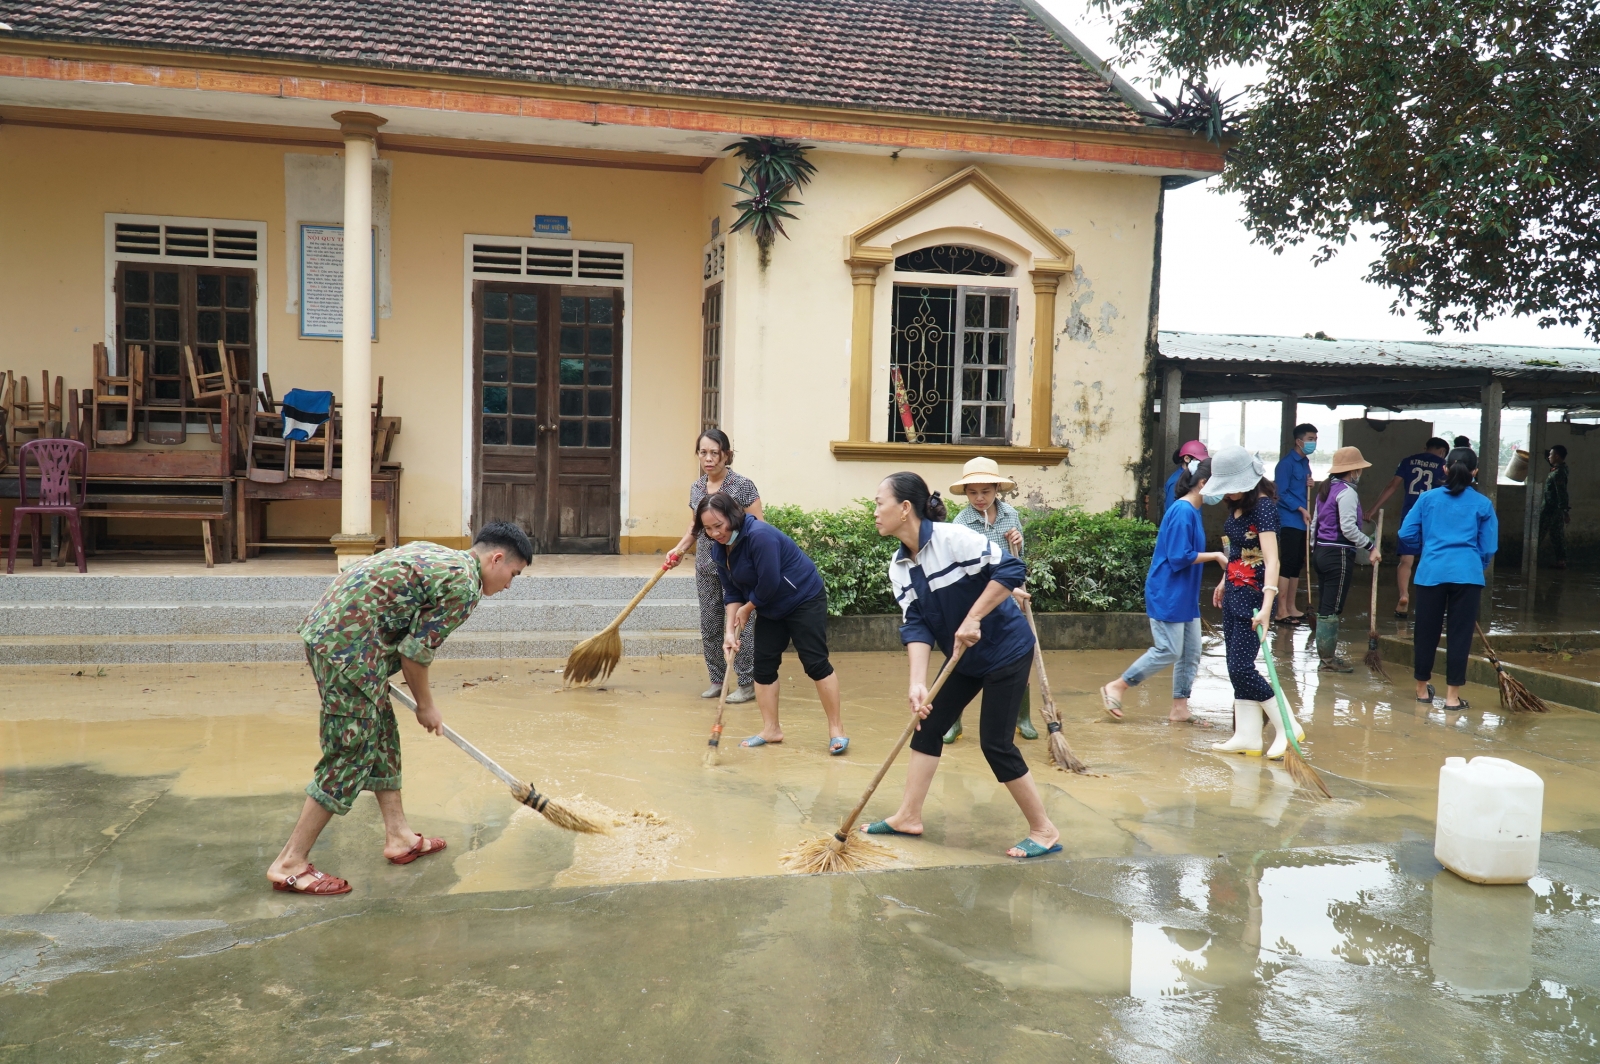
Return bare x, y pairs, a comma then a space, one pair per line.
715, 452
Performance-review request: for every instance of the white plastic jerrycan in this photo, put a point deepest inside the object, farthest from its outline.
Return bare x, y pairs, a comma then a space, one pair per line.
1489, 819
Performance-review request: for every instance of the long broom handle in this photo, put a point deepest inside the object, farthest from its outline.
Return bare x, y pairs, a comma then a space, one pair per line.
1052, 719
905, 737
1372, 610
1277, 692
1494, 659
728, 678
643, 591
404, 698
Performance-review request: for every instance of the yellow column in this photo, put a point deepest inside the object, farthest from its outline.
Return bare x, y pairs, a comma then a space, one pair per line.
355, 539
1045, 284
864, 268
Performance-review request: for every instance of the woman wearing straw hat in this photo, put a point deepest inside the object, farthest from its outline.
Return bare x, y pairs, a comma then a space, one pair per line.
1336, 537
1239, 481
997, 521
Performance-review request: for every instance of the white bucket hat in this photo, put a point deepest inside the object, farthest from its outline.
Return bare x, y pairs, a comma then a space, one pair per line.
982, 471
1234, 469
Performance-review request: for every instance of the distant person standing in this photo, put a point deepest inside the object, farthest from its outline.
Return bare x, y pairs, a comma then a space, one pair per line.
1187, 457
1336, 537
1421, 472
1459, 534
1292, 478
1557, 511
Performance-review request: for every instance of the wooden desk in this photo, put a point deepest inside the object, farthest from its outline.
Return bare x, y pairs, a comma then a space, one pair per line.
252, 497
211, 497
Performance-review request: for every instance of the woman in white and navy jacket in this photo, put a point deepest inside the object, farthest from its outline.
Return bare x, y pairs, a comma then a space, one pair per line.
955, 588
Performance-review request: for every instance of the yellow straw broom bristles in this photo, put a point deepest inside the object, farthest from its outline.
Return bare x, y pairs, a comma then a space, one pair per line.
1513, 695
595, 657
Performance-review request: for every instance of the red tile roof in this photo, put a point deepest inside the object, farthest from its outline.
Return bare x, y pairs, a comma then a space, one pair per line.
976, 59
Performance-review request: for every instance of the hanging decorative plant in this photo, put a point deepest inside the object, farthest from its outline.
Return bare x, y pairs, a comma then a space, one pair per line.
773, 167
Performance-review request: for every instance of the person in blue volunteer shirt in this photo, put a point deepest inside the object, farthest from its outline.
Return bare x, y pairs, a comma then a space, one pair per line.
1172, 601
1187, 457
1292, 478
1419, 473
1459, 534
956, 589
763, 571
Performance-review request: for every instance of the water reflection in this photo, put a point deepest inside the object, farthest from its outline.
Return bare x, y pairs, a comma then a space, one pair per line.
1482, 935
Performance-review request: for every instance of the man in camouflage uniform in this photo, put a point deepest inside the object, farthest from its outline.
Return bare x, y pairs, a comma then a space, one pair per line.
387, 614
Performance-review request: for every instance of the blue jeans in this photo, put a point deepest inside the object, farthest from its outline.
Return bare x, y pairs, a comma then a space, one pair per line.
1177, 643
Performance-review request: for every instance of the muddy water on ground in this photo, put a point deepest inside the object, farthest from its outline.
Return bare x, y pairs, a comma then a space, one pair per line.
1210, 911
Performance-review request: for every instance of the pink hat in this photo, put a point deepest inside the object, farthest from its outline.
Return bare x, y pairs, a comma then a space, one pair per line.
1194, 449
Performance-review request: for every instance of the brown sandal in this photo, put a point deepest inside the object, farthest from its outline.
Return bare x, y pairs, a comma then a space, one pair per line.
434, 846
315, 883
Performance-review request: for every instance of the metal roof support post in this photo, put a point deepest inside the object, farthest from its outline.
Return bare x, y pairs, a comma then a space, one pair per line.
1171, 425
1287, 420
1534, 487
1493, 399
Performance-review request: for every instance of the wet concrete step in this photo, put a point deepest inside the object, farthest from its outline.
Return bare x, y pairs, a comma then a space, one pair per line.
167, 649
88, 588
275, 618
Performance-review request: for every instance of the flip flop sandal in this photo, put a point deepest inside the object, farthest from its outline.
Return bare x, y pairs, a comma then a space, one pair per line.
883, 827
1400, 615
315, 883
1432, 694
434, 846
838, 745
756, 740
1463, 704
1030, 848
1113, 705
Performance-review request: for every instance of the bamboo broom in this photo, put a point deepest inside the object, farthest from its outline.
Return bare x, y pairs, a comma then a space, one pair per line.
845, 850
553, 811
1374, 659
728, 681
1293, 758
595, 657
1513, 695
1061, 754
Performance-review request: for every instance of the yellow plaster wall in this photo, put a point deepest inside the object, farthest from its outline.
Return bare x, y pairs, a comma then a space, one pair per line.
788, 332
57, 186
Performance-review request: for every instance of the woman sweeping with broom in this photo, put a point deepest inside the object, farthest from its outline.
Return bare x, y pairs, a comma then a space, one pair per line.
1459, 534
955, 590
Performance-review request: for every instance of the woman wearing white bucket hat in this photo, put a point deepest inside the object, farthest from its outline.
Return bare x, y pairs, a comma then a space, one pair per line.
998, 522
1239, 481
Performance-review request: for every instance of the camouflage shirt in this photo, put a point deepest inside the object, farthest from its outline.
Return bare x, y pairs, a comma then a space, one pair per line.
400, 603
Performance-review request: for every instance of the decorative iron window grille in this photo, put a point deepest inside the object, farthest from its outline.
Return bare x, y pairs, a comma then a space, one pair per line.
946, 400
952, 258
711, 358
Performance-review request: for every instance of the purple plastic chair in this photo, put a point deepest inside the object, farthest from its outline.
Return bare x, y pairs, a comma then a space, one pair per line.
56, 460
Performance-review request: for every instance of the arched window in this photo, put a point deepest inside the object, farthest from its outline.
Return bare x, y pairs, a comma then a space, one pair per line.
954, 259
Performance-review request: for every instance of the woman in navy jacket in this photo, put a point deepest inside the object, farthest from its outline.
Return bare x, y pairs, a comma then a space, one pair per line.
955, 588
763, 571
1459, 534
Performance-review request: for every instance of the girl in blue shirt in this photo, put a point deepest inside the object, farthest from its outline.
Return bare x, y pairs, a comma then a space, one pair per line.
1172, 600
1459, 534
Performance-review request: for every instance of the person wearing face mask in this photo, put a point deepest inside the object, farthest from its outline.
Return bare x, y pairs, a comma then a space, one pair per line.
1187, 457
764, 572
1172, 600
1336, 537
1293, 480
1251, 534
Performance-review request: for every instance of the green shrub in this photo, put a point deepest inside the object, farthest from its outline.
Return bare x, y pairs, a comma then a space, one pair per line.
1077, 561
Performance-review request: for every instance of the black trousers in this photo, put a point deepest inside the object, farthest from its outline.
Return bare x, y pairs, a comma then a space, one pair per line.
807, 626
1432, 605
1291, 552
1002, 689
1335, 568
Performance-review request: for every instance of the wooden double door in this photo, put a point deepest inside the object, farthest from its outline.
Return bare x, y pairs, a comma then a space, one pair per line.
547, 412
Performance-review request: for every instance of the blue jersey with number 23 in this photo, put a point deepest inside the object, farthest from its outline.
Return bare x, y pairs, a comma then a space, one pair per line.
1419, 473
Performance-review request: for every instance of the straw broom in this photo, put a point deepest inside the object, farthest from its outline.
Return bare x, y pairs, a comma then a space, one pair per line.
1294, 761
845, 850
1061, 754
1513, 695
728, 680
553, 811
1374, 659
595, 657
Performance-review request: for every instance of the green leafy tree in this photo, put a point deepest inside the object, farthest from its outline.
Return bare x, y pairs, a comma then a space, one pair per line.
1466, 133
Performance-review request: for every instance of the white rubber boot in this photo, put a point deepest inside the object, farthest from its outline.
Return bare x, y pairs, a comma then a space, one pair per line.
1247, 720
1280, 742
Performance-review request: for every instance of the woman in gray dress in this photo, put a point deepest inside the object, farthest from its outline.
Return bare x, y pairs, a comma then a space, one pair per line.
715, 452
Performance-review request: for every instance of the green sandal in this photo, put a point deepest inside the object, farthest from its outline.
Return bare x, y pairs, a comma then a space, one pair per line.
1030, 848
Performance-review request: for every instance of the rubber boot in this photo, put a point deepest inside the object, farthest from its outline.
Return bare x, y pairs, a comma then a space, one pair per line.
1025, 726
1246, 739
954, 733
1328, 646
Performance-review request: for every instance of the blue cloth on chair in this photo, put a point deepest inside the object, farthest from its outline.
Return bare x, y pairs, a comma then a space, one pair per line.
304, 412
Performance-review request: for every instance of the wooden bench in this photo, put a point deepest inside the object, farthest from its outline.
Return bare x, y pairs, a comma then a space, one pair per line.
205, 517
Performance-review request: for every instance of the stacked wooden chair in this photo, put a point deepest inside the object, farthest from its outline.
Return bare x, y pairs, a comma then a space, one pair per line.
117, 397
28, 419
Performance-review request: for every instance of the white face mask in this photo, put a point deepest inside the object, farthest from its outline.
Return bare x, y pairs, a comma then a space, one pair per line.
1209, 499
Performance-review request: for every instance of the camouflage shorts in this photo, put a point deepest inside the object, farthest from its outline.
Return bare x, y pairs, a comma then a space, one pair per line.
360, 750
